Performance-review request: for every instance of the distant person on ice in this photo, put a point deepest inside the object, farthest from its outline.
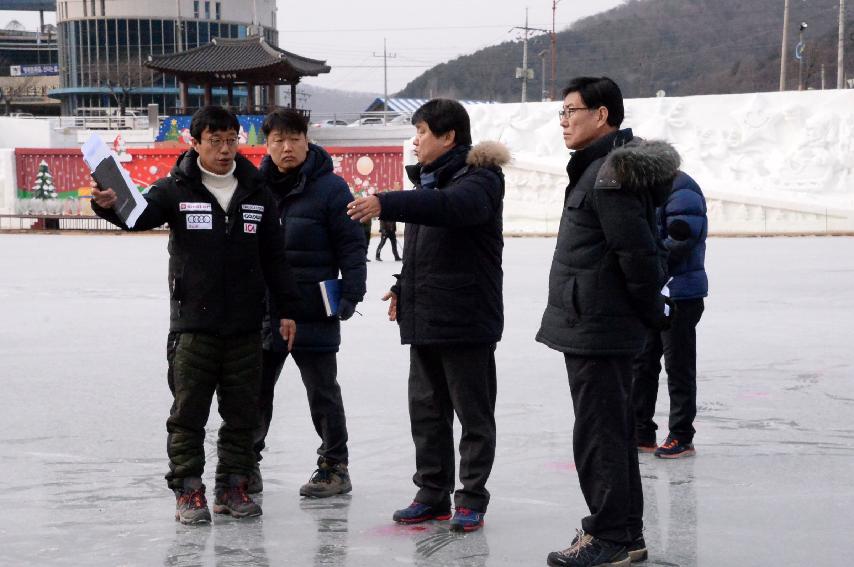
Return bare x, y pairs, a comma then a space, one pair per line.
321, 242
604, 293
682, 225
448, 302
224, 248
388, 231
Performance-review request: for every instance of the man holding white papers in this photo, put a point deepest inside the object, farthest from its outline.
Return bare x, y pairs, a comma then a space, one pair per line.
224, 248
321, 242
449, 304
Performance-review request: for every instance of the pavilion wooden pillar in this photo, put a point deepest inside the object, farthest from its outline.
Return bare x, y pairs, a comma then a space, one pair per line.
271, 96
230, 95
294, 96
184, 95
250, 97
208, 94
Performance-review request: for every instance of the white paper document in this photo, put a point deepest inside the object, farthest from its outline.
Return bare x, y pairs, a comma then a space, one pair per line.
108, 172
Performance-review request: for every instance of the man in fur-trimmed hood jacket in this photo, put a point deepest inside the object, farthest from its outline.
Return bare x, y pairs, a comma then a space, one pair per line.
449, 305
604, 293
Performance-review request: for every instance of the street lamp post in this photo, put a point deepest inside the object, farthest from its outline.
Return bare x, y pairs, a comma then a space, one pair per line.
801, 49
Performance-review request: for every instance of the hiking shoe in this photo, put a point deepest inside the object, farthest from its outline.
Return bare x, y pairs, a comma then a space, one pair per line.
255, 484
466, 520
647, 446
418, 512
637, 550
191, 506
672, 448
328, 480
235, 501
588, 551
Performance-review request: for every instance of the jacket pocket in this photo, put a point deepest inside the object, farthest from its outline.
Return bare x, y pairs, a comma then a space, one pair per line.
450, 299
570, 299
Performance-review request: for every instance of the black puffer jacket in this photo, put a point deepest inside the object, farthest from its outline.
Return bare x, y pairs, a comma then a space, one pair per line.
321, 241
219, 261
609, 267
450, 286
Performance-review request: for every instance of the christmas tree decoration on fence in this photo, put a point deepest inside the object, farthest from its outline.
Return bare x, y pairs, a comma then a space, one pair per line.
43, 187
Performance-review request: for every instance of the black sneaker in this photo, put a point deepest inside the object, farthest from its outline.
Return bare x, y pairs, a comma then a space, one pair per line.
418, 512
328, 480
637, 550
234, 500
589, 551
191, 506
673, 448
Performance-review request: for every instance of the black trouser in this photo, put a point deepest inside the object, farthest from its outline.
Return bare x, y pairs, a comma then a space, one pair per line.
393, 238
199, 365
679, 346
603, 445
319, 371
444, 380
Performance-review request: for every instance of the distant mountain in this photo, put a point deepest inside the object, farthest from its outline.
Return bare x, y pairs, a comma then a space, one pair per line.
329, 101
684, 47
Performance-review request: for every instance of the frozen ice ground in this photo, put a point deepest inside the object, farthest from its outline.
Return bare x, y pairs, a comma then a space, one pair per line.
83, 401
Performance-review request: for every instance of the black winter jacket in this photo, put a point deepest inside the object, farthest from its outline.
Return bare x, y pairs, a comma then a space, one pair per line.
450, 286
321, 241
219, 261
609, 266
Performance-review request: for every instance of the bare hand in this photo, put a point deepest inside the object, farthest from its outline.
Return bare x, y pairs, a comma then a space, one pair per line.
392, 307
104, 198
364, 208
288, 330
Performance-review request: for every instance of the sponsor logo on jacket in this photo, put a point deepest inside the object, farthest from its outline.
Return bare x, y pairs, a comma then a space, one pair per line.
257, 208
254, 217
199, 222
185, 206
250, 227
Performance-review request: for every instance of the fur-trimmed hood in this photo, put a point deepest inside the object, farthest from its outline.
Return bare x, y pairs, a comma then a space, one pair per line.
488, 154
641, 165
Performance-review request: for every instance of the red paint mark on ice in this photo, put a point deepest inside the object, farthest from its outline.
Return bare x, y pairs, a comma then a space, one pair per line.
755, 395
561, 467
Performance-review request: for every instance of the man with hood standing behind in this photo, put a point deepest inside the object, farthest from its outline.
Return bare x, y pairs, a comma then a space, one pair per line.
321, 241
448, 302
604, 293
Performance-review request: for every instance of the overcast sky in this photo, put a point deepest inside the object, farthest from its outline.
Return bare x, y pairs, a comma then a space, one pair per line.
349, 34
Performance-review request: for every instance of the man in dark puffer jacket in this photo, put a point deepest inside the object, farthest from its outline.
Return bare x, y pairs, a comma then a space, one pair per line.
682, 226
224, 246
604, 292
449, 304
321, 241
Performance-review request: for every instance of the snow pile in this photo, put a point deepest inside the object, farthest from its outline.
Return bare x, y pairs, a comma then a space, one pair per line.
768, 162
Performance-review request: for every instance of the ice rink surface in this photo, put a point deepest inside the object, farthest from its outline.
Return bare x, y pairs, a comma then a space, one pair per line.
83, 404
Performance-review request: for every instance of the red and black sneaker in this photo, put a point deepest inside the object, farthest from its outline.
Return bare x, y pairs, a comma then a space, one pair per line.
191, 506
466, 520
673, 448
418, 512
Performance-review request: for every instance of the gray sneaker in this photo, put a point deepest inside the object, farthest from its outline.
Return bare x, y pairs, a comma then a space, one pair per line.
191, 506
327, 480
232, 499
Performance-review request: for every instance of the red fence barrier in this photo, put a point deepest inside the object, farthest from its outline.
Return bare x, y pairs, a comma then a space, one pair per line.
367, 170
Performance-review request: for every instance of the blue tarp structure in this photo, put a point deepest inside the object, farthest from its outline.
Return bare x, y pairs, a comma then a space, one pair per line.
407, 105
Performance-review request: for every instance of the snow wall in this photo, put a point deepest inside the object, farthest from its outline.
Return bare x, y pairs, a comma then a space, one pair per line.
768, 163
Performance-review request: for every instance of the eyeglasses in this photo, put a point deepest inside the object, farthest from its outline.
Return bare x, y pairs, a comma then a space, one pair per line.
218, 142
568, 111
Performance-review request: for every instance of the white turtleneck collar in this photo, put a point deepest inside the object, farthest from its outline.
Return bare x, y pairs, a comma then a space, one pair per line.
221, 186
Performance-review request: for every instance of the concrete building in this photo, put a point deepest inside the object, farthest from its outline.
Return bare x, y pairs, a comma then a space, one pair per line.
103, 44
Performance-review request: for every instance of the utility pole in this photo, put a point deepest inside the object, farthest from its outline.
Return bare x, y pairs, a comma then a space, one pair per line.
385, 57
783, 54
554, 51
545, 95
524, 73
840, 52
799, 53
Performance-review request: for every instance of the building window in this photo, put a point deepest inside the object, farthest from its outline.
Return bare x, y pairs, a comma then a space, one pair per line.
207, 10
218, 7
196, 9
103, 7
93, 9
85, 9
